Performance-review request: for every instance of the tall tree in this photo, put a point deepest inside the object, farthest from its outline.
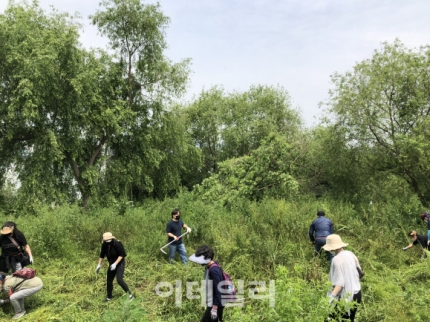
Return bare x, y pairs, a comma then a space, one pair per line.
136, 32
59, 104
383, 106
65, 111
231, 125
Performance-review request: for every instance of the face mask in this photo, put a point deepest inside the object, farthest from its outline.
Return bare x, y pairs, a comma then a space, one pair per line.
178, 217
333, 253
108, 241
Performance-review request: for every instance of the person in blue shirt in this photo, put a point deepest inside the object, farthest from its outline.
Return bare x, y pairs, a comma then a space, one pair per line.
318, 232
425, 216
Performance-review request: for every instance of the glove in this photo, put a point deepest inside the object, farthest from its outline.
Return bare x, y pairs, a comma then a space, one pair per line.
112, 267
98, 268
31, 260
189, 230
214, 313
404, 248
331, 298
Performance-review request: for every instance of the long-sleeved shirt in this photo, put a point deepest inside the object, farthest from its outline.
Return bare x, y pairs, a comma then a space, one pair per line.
12, 281
320, 227
214, 296
112, 251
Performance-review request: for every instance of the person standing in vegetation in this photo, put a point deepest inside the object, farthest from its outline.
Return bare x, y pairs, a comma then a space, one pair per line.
344, 278
213, 276
115, 253
22, 288
318, 232
425, 216
415, 239
13, 244
173, 231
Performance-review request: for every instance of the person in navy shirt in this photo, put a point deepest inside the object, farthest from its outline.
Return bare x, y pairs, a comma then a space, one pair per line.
318, 232
213, 276
173, 231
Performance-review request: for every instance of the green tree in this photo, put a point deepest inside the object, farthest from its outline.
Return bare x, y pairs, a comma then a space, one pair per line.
226, 126
382, 107
65, 111
249, 117
59, 103
265, 172
151, 140
205, 127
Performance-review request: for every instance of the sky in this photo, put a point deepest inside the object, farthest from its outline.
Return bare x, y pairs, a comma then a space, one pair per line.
295, 44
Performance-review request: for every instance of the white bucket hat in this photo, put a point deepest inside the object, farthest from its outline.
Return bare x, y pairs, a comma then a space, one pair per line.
333, 242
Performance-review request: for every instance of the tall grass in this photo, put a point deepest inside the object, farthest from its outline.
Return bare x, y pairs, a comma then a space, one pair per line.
253, 242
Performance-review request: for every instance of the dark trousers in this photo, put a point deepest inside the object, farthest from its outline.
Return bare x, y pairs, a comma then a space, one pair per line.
319, 243
345, 315
207, 316
119, 273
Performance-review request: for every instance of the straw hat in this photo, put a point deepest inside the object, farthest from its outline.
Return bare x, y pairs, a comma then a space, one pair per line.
333, 242
6, 230
108, 236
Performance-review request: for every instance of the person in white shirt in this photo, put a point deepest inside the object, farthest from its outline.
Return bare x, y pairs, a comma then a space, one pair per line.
344, 278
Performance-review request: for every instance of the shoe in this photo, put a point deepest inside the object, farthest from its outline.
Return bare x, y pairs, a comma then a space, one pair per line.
131, 297
18, 315
108, 299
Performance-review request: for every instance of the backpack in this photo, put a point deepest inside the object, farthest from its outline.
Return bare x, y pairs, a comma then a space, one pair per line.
25, 273
229, 291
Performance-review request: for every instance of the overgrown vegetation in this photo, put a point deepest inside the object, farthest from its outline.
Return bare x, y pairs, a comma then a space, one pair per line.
254, 241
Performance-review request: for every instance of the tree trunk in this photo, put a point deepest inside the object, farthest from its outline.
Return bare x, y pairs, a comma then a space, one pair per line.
85, 200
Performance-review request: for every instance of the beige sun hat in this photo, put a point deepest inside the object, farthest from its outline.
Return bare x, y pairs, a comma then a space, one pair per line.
108, 236
333, 242
6, 230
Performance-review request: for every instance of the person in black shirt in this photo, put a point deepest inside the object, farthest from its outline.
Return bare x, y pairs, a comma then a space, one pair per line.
173, 231
13, 244
213, 276
115, 253
417, 239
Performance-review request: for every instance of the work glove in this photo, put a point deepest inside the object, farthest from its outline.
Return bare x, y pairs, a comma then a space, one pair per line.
404, 248
189, 230
31, 260
112, 267
214, 313
331, 298
98, 268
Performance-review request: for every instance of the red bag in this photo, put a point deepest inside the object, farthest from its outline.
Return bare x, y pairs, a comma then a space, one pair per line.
228, 288
25, 273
